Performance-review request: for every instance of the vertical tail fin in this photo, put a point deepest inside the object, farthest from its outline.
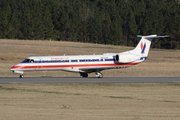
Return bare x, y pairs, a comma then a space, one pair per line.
144, 44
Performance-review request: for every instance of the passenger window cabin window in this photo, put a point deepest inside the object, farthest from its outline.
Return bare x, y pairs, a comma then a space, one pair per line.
96, 60
108, 59
73, 60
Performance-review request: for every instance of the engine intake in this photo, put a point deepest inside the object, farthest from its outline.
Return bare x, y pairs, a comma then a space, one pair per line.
117, 58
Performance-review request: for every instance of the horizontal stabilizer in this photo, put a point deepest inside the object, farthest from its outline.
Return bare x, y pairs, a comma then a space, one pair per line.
152, 36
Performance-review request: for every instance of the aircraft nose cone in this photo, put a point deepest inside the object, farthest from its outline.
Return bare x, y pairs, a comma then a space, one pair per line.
12, 68
15, 67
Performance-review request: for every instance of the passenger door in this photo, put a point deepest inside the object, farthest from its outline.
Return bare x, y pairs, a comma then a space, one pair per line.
39, 64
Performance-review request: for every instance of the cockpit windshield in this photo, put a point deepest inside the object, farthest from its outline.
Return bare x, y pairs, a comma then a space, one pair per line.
28, 61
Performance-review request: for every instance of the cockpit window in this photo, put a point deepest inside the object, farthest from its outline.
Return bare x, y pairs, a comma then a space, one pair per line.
28, 61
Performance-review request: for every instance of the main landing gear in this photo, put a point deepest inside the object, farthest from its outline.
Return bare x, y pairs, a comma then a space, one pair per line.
84, 74
99, 75
21, 76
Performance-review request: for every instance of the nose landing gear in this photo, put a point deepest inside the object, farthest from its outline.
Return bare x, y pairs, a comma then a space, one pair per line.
21, 76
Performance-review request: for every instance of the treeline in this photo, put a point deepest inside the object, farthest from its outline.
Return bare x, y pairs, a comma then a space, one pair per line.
115, 22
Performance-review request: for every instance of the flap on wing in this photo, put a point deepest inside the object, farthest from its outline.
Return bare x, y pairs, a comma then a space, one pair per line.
94, 69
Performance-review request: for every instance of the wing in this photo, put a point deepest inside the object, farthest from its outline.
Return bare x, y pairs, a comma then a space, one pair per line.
98, 69
94, 69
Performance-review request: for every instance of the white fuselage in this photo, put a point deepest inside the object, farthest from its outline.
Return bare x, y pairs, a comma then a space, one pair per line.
80, 63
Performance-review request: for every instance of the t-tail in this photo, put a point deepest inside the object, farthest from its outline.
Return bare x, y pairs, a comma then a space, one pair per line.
144, 45
140, 53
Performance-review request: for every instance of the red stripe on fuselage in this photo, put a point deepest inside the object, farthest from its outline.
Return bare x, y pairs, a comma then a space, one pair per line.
61, 66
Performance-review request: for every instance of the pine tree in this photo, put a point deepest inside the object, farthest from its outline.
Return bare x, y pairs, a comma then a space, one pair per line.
47, 24
5, 28
174, 29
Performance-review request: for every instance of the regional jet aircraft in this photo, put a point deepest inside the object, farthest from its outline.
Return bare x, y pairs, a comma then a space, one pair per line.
85, 64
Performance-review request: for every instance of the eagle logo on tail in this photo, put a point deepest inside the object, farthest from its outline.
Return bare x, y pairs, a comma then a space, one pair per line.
143, 47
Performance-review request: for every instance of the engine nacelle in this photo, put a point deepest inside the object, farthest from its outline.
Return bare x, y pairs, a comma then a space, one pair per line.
126, 58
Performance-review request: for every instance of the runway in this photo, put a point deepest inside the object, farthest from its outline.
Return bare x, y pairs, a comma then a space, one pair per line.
6, 80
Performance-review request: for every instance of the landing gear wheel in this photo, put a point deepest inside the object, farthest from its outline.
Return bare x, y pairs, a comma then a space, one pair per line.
84, 74
99, 75
21, 76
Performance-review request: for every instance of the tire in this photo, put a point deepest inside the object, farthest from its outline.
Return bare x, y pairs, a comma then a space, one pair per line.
21, 76
84, 74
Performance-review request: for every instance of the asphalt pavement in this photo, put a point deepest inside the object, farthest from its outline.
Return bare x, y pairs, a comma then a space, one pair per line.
88, 80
